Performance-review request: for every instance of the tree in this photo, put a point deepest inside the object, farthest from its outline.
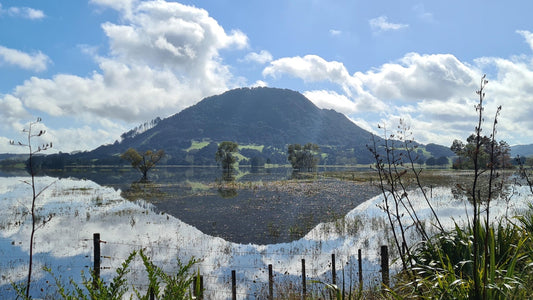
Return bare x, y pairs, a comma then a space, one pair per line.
303, 157
143, 162
467, 152
225, 154
30, 134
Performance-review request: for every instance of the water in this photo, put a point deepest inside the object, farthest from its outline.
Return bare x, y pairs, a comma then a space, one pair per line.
79, 208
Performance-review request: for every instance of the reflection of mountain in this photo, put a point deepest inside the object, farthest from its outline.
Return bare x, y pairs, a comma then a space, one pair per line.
263, 121
82, 208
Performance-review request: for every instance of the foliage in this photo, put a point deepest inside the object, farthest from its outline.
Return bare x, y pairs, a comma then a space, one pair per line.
165, 286
143, 162
160, 284
441, 161
466, 152
303, 158
225, 154
484, 260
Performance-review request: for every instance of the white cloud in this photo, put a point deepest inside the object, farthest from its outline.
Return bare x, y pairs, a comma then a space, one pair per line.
422, 14
528, 36
310, 68
163, 57
417, 77
381, 23
11, 112
23, 12
173, 35
262, 57
335, 32
436, 92
260, 83
163, 51
331, 100
35, 62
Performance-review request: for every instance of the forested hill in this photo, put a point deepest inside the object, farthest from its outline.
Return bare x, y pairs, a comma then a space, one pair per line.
261, 116
263, 121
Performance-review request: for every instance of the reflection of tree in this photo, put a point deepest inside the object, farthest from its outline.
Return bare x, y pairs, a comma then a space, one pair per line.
226, 185
227, 192
228, 176
145, 190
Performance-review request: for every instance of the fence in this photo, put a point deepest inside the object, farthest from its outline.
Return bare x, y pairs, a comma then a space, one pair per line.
270, 278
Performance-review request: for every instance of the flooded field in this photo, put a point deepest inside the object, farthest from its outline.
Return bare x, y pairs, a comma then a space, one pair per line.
243, 225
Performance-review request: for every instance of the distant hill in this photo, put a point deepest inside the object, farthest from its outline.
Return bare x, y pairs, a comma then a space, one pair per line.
263, 121
522, 150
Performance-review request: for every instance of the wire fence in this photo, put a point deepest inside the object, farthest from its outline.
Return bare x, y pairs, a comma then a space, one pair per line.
226, 273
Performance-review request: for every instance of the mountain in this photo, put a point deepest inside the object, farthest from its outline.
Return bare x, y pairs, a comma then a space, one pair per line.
522, 150
263, 121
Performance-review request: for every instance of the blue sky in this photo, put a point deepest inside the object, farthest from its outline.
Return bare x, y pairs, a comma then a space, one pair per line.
95, 69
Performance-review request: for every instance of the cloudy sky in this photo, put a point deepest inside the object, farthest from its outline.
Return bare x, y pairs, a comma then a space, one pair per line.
95, 69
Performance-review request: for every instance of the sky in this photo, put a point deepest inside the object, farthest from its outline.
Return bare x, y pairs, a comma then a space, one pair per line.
95, 69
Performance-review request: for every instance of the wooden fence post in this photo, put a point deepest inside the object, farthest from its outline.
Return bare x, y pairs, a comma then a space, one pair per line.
270, 283
360, 264
304, 287
96, 266
385, 265
333, 271
233, 285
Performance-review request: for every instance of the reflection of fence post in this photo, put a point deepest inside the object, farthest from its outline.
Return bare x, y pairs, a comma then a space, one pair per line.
333, 271
304, 287
233, 285
96, 266
385, 265
270, 283
360, 263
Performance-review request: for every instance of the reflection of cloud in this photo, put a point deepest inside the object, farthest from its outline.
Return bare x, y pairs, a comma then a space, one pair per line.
82, 208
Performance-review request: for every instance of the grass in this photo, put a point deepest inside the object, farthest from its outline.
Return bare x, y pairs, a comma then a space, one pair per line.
196, 145
252, 147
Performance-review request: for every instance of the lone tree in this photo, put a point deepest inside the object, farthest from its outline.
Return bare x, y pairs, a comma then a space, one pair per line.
143, 162
31, 133
303, 157
225, 155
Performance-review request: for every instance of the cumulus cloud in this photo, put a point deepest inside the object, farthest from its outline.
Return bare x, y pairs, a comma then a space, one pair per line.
309, 68
11, 112
169, 34
262, 57
260, 83
381, 24
436, 92
35, 62
332, 100
163, 57
417, 77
